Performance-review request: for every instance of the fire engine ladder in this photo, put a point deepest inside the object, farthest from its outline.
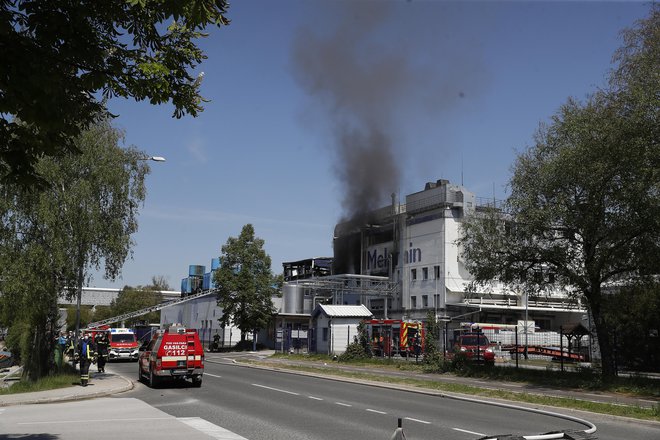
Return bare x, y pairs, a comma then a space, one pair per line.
150, 309
190, 352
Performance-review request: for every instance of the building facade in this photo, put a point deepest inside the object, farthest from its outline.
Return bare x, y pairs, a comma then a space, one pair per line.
415, 245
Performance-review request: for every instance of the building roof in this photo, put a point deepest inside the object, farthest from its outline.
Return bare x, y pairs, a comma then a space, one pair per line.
332, 311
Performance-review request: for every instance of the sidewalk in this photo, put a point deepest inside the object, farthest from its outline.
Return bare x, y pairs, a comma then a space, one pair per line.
101, 384
64, 415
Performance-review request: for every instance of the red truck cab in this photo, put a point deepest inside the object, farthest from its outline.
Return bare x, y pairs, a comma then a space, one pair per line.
175, 353
476, 347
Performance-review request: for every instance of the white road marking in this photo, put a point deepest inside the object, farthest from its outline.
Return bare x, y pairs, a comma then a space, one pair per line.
468, 432
342, 404
212, 375
275, 389
417, 420
175, 403
210, 429
376, 411
315, 398
136, 419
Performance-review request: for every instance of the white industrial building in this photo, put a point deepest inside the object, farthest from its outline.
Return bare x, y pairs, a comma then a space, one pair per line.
201, 314
403, 261
414, 244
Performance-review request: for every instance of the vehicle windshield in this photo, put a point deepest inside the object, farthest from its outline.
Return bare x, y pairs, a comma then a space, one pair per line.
122, 337
474, 340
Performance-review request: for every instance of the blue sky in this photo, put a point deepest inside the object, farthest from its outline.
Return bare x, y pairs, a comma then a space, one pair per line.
453, 90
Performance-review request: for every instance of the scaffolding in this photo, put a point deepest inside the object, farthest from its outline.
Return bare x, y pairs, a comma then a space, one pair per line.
334, 287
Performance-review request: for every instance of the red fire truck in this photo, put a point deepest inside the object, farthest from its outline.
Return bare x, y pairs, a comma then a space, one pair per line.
175, 353
391, 336
123, 343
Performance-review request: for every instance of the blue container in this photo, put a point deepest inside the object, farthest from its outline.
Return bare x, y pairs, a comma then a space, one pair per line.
215, 263
185, 286
195, 270
208, 281
196, 283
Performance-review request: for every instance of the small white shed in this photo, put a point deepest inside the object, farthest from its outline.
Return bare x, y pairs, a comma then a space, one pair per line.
336, 326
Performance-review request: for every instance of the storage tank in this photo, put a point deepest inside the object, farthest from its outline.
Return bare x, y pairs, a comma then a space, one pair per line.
293, 297
215, 263
195, 270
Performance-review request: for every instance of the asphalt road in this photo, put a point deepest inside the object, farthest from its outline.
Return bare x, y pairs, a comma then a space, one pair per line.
261, 404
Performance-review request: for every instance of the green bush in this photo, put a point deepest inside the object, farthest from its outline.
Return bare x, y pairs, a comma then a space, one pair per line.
354, 351
460, 361
439, 366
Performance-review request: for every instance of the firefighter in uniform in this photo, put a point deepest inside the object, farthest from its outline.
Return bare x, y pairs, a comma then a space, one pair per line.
71, 349
102, 344
417, 345
86, 355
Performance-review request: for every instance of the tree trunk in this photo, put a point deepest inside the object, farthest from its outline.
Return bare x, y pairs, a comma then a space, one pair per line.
604, 338
38, 360
37, 340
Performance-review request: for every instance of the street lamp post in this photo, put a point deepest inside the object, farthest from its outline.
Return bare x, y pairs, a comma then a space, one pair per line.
79, 286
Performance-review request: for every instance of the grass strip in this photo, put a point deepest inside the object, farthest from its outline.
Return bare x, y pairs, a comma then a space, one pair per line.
579, 379
62, 380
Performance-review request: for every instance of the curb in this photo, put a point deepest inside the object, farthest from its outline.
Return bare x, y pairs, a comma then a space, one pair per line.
128, 385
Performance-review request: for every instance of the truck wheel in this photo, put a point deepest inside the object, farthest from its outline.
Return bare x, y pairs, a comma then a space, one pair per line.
153, 379
197, 381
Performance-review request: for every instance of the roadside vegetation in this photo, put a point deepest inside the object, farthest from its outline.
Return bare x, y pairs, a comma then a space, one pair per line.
584, 379
578, 218
65, 378
358, 362
71, 191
